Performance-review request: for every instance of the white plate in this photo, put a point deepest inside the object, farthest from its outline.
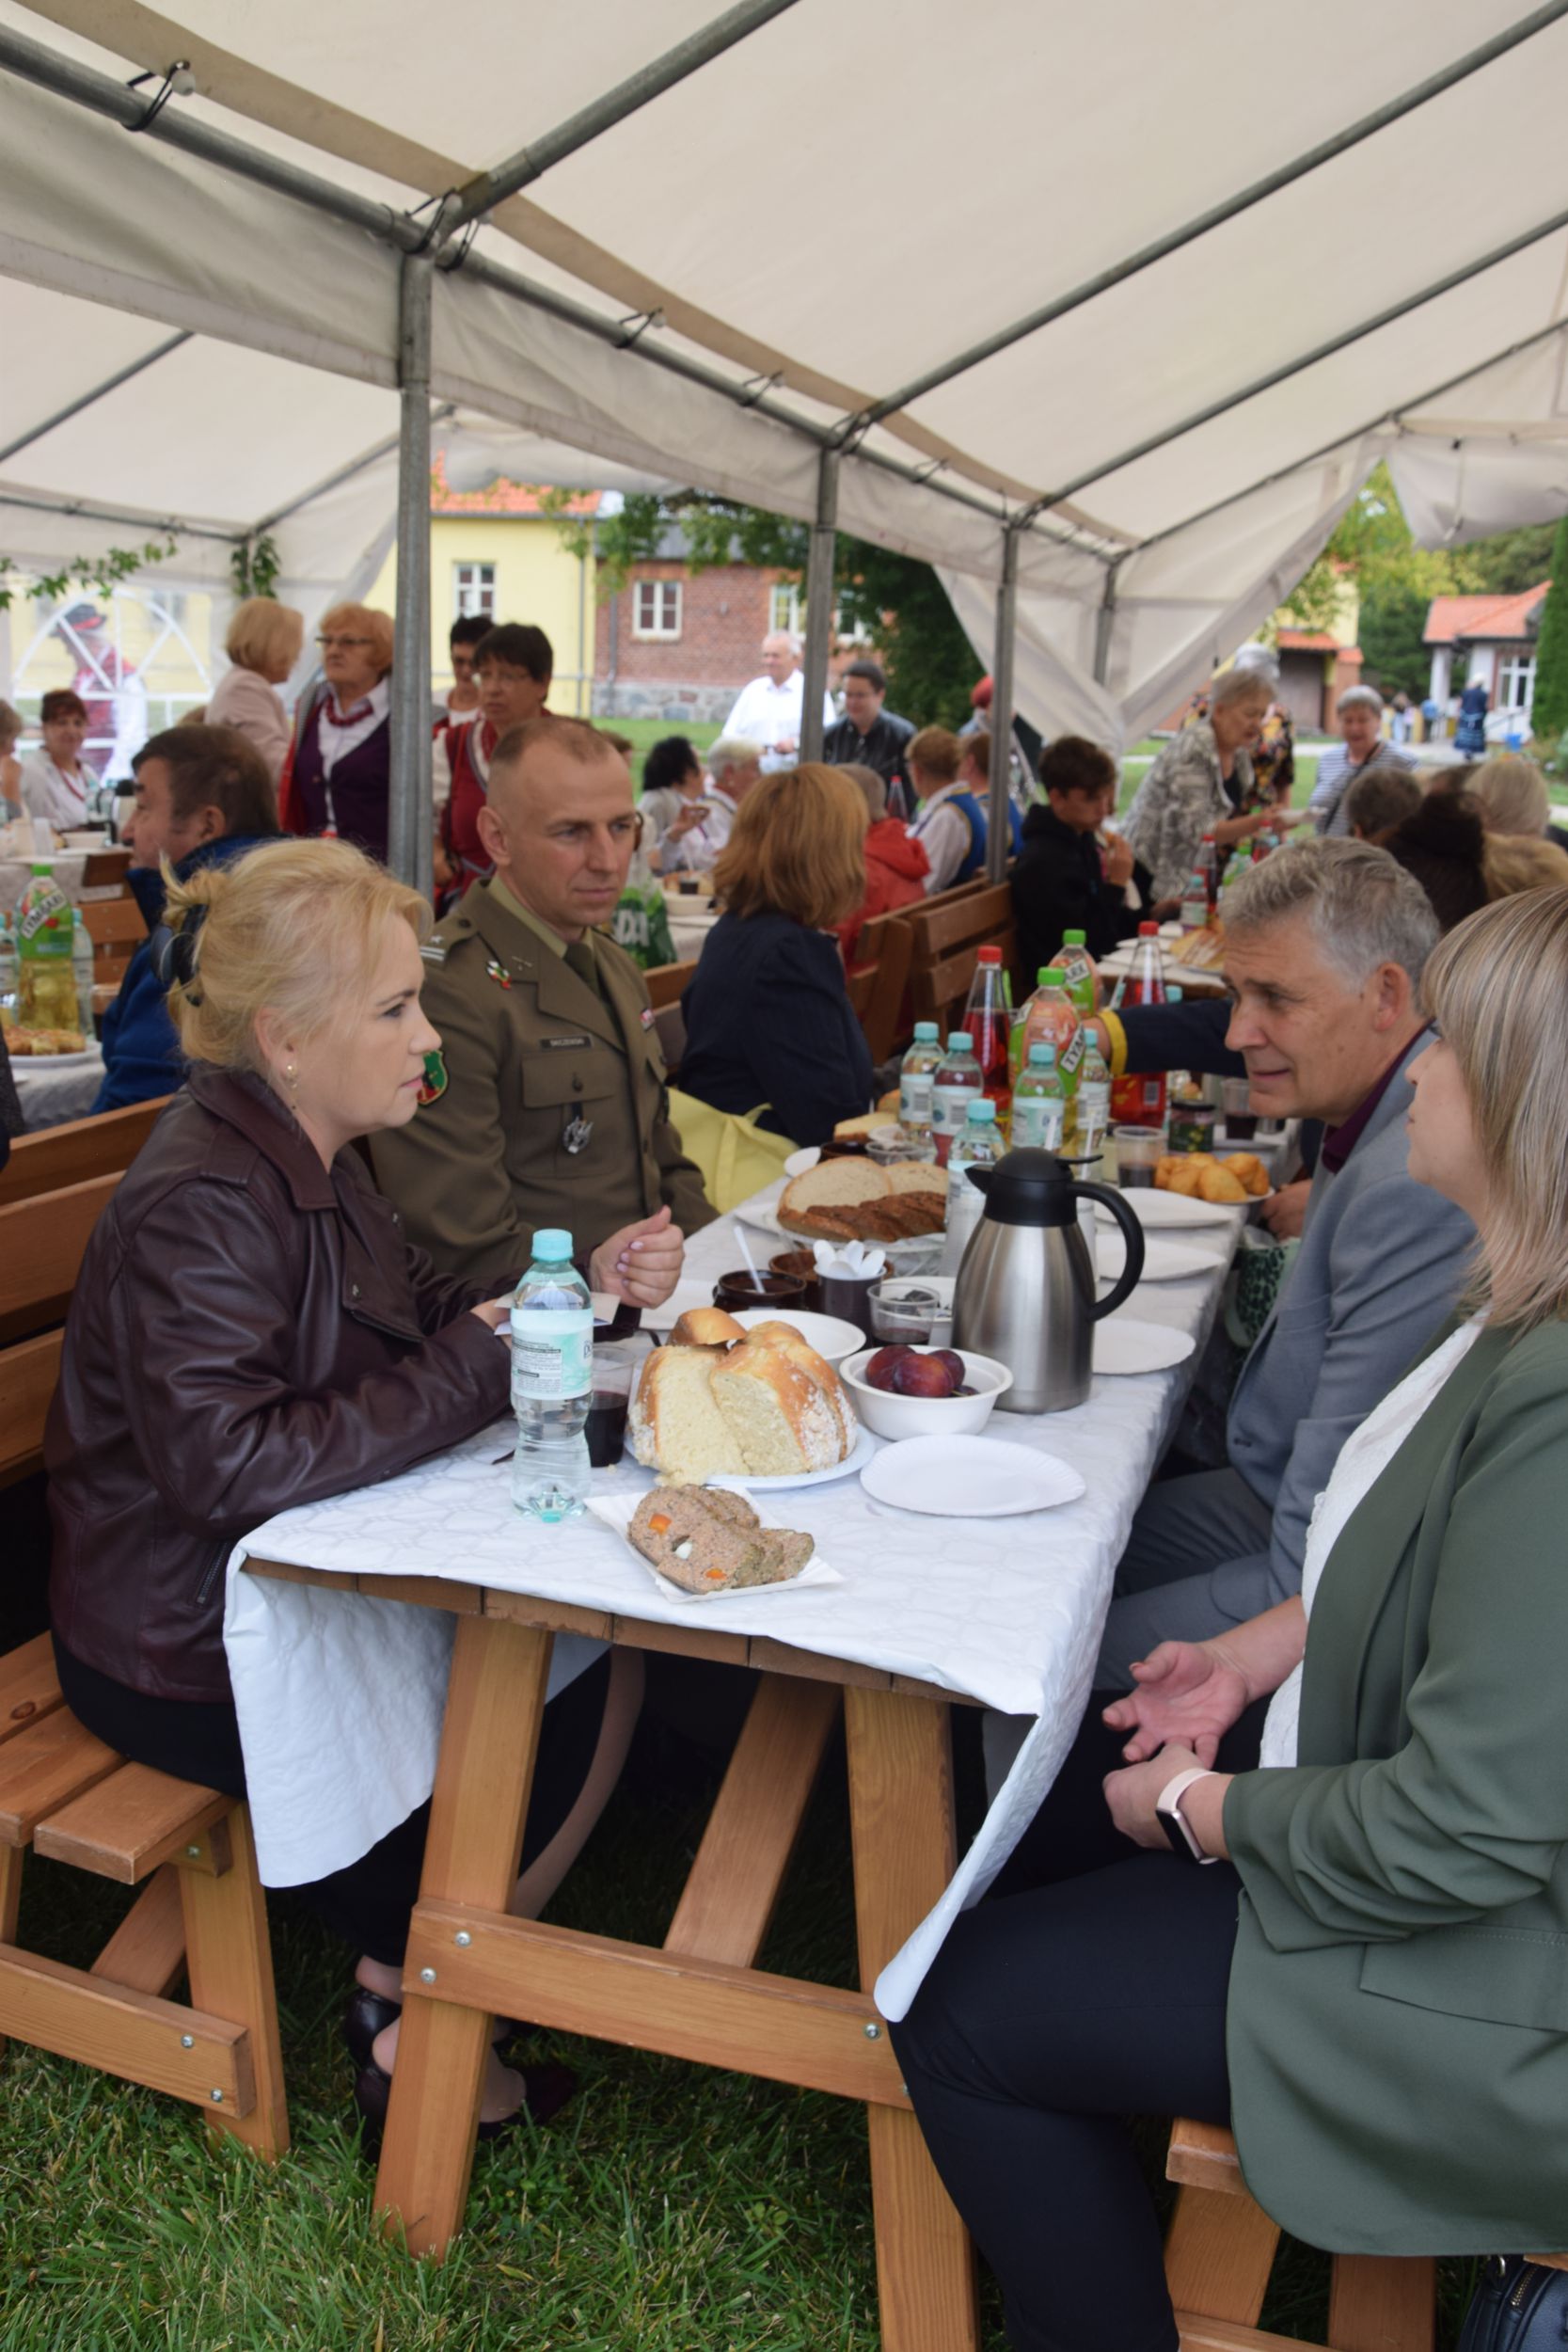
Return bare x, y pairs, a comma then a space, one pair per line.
1122, 1345
944, 1476
800, 1162
903, 1257
55, 1061
832, 1338
617, 1511
1164, 1261
1153, 1208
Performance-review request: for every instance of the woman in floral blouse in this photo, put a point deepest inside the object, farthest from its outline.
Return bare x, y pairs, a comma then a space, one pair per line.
1199, 785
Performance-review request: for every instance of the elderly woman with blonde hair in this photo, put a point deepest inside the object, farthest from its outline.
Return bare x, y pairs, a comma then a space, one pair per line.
251, 1330
1201, 784
263, 643
1513, 798
338, 776
768, 1020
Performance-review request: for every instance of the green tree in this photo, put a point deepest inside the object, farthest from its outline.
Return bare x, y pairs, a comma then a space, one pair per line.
1393, 620
1550, 708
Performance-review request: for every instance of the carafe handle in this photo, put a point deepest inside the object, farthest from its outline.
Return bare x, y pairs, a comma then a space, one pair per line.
1133, 1232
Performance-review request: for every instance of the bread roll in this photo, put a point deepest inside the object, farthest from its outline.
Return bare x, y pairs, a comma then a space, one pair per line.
1217, 1184
706, 1326
1249, 1169
851, 1130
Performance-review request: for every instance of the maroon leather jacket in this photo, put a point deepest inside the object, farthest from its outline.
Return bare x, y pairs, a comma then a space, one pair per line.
249, 1330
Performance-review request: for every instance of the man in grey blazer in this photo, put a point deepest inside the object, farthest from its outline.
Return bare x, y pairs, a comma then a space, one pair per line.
1325, 947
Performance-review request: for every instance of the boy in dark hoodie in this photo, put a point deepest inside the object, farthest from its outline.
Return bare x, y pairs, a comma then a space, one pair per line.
203, 798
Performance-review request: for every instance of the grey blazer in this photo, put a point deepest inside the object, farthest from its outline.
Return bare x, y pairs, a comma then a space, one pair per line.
1382, 1263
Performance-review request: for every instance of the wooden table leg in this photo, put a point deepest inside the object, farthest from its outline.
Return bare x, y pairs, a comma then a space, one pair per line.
902, 1815
495, 1706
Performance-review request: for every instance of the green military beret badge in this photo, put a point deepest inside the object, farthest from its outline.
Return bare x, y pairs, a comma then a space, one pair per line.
499, 973
434, 1084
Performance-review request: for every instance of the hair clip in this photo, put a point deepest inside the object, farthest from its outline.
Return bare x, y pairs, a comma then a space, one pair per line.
174, 952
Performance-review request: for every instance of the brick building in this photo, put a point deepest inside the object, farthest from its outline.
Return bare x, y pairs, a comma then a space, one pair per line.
679, 644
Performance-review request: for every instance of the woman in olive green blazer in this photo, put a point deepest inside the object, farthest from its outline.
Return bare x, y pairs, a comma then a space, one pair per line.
1372, 1984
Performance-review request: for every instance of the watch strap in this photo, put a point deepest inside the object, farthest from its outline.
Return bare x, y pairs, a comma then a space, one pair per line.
1169, 1804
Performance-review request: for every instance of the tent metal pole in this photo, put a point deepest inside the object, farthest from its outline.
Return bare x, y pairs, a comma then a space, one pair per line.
1343, 440
1326, 150
1297, 366
128, 107
40, 502
819, 604
409, 840
998, 829
99, 392
1104, 626
489, 189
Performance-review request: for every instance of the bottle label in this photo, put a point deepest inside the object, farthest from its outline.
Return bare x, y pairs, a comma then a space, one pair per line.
915, 1090
1072, 1055
44, 928
1076, 967
950, 1108
552, 1353
1036, 1122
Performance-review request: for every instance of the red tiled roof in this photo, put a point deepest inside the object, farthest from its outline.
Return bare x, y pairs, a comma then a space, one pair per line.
1451, 618
1310, 641
501, 498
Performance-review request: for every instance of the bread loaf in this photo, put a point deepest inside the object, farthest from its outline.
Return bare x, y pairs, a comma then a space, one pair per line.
706, 1326
856, 1200
768, 1408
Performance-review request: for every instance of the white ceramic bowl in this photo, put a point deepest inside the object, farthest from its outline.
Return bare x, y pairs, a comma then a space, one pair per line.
832, 1338
890, 1416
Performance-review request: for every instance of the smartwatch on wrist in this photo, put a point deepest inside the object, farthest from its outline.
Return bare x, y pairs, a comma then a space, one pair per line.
1180, 1831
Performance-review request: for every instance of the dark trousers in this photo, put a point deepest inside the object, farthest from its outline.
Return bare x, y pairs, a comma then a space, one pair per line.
367, 1903
1090, 1987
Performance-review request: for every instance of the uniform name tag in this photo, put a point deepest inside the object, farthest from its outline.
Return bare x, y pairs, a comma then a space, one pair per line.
552, 1044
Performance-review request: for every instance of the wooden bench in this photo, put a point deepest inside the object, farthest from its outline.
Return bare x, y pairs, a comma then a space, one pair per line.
881, 972
201, 1912
104, 1145
948, 938
41, 1246
1220, 2248
116, 929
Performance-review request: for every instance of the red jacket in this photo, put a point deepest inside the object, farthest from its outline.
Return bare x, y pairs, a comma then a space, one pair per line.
895, 871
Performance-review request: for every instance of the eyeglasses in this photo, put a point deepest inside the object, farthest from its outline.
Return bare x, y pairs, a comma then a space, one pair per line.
327, 644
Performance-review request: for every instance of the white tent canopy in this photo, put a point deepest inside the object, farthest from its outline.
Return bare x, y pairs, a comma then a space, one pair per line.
820, 216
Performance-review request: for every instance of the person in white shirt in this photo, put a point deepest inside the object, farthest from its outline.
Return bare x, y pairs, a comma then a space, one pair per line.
54, 784
767, 711
934, 759
700, 828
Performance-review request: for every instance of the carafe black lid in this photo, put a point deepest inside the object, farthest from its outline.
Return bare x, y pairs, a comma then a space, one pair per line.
1028, 1188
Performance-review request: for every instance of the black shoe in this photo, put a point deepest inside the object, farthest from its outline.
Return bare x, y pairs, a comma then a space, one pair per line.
546, 2091
367, 2014
370, 2013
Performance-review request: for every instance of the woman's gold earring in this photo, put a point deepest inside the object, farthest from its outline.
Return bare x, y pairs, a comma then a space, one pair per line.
291, 1072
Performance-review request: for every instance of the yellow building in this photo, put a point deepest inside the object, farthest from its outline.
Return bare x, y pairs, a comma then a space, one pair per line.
493, 552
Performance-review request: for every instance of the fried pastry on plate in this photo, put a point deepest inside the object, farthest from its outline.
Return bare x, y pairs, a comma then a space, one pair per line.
1216, 1183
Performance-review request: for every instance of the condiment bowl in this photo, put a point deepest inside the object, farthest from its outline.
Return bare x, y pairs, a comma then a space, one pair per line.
887, 1414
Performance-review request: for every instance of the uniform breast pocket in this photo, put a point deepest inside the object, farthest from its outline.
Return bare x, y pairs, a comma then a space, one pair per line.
567, 1096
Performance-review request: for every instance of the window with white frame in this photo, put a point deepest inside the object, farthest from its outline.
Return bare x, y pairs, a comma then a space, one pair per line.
785, 609
1515, 681
656, 609
473, 591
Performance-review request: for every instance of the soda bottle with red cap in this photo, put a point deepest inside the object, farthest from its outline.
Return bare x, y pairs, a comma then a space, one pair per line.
1139, 1098
988, 1022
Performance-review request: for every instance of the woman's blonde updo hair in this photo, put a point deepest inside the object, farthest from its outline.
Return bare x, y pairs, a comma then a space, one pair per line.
296, 926
1498, 989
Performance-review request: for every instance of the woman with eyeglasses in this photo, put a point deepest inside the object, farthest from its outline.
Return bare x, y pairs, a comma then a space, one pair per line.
338, 775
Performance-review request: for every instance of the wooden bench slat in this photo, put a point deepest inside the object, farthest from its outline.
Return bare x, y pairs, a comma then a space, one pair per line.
77, 1152
29, 1374
44, 1766
133, 2035
29, 1687
1204, 2156
147, 1951
42, 1243
125, 1826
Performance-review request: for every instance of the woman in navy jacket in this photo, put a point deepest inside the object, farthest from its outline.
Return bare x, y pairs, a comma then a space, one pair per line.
768, 1016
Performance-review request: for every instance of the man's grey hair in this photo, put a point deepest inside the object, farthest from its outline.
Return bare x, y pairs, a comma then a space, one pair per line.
791, 639
1363, 907
1252, 685
732, 751
1360, 698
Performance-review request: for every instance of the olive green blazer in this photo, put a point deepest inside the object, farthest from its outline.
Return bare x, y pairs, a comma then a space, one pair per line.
1397, 2020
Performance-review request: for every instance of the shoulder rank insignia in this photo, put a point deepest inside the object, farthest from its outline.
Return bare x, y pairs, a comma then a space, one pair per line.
499, 973
434, 1083
433, 952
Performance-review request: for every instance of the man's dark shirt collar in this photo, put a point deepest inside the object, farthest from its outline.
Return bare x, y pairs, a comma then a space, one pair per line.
1340, 1142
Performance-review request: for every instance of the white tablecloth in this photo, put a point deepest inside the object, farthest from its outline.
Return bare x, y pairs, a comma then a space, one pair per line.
50, 1096
340, 1695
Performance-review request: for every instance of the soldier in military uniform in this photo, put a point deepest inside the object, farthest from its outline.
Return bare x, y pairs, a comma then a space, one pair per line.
549, 1105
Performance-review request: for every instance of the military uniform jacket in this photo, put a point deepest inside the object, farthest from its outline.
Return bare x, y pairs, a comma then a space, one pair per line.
1398, 2012
555, 1110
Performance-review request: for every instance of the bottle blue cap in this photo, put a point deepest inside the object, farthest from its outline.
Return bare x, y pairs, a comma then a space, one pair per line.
982, 1110
552, 1241
1043, 1054
926, 1031
959, 1042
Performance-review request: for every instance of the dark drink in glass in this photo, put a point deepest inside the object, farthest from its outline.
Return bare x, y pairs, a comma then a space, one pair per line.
607, 1426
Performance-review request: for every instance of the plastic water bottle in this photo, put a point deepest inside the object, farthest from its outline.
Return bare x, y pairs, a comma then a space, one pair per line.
917, 1078
552, 1380
81, 967
956, 1081
9, 998
980, 1145
1040, 1105
1094, 1107
1194, 902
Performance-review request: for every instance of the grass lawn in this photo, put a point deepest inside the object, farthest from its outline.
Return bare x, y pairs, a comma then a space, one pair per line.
668, 2209
1138, 762
645, 733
